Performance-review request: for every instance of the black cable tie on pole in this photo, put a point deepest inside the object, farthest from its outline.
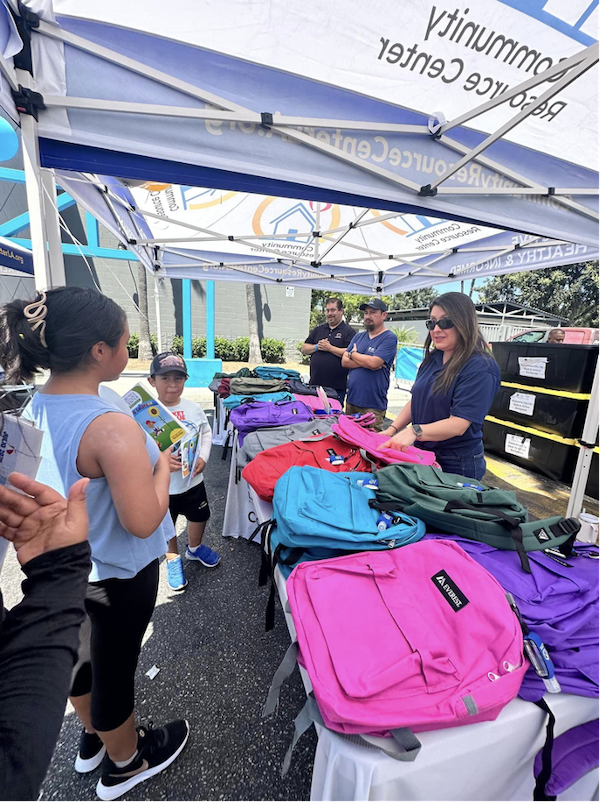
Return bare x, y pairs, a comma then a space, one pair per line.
221, 264
551, 190
231, 238
315, 264
454, 250
583, 444
380, 278
517, 246
428, 191
316, 233
27, 101
351, 225
391, 256
266, 119
279, 280
132, 242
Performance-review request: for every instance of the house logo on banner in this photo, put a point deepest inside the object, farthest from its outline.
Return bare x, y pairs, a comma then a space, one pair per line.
297, 220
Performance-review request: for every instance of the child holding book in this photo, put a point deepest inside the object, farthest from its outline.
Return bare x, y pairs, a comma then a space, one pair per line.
187, 497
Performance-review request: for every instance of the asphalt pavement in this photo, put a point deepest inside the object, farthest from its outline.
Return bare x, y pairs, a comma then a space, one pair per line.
215, 666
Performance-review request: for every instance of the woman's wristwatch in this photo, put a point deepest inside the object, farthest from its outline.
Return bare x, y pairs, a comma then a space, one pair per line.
417, 430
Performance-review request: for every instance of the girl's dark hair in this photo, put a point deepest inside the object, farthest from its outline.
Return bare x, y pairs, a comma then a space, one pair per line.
77, 319
461, 310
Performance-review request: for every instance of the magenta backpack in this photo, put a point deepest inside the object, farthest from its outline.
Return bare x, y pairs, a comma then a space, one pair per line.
314, 402
350, 431
418, 638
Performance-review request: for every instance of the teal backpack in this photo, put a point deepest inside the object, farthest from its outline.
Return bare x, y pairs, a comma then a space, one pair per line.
318, 515
457, 505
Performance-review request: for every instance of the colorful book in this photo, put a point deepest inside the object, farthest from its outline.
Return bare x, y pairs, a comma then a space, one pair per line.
189, 453
20, 447
154, 417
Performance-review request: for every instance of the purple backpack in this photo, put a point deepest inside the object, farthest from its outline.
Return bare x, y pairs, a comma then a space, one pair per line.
559, 602
264, 415
574, 754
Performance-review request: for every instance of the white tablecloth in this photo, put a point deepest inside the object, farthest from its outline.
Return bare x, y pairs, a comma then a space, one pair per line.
220, 427
488, 761
244, 510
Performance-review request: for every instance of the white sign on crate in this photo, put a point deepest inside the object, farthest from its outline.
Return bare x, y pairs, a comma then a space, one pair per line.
533, 366
523, 403
517, 446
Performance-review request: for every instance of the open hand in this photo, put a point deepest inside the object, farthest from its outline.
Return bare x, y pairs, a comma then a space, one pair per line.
42, 520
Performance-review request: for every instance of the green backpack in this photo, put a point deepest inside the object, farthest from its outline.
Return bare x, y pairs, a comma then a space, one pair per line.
488, 514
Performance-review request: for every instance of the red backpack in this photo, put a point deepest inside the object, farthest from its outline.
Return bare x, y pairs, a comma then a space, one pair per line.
319, 451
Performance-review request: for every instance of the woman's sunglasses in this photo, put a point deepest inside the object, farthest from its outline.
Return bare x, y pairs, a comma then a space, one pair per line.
443, 323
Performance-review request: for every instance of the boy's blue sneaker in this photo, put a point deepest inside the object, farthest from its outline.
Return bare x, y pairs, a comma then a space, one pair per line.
204, 555
175, 576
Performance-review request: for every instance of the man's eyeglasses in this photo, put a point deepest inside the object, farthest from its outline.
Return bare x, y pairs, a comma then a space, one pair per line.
443, 323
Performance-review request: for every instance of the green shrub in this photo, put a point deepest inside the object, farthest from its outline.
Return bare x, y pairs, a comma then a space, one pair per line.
225, 349
199, 347
304, 359
272, 350
154, 343
177, 345
241, 346
133, 344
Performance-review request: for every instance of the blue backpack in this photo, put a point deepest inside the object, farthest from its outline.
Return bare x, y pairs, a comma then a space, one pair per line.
234, 401
318, 515
268, 372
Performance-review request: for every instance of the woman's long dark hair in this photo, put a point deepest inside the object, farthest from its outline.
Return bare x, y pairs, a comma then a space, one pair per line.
461, 310
77, 319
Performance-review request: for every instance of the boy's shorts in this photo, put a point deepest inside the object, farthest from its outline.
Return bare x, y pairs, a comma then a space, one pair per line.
192, 504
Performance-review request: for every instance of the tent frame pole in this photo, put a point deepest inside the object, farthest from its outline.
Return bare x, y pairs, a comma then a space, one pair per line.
586, 451
159, 331
55, 252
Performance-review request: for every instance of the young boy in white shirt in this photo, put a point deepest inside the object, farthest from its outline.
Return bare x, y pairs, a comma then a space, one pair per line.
168, 374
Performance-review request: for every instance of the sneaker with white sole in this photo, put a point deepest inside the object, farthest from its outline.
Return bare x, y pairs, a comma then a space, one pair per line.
175, 576
157, 749
204, 555
91, 752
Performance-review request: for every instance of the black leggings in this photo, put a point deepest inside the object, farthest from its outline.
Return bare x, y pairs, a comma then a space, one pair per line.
119, 611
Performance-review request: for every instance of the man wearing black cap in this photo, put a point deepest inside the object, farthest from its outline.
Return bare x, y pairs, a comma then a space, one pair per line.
369, 359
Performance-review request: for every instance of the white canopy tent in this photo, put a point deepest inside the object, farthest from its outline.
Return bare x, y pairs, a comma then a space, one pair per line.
484, 119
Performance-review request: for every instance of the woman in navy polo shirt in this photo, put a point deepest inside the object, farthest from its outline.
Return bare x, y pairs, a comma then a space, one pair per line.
453, 391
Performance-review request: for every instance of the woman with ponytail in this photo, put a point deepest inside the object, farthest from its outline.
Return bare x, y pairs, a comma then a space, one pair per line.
81, 336
453, 391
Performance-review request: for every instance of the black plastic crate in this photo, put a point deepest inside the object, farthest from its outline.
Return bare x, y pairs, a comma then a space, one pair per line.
568, 367
546, 456
548, 413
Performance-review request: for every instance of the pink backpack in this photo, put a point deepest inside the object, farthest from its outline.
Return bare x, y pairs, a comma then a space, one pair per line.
349, 431
313, 402
420, 637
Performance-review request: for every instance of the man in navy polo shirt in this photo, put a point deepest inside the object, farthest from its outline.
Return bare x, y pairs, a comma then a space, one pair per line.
369, 358
326, 345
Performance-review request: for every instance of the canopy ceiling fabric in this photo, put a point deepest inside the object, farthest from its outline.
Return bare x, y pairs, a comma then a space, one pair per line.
202, 118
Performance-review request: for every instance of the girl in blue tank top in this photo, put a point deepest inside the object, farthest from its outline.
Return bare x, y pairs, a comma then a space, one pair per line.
81, 336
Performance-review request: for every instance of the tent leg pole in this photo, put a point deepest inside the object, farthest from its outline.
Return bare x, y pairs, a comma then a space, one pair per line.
35, 201
57, 262
584, 460
159, 338
210, 319
186, 292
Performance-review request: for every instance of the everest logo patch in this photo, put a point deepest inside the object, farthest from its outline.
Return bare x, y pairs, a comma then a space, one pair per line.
450, 591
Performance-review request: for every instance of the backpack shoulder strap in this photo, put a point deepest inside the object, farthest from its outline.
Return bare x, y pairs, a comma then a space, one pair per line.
539, 792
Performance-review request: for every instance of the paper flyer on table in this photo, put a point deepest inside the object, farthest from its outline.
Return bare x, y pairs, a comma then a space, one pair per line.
154, 417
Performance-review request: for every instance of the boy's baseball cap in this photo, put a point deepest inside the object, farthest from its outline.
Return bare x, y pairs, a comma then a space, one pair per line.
167, 362
374, 303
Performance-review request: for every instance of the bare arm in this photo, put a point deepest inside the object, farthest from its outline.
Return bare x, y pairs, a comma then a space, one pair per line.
401, 422
308, 348
114, 446
432, 432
